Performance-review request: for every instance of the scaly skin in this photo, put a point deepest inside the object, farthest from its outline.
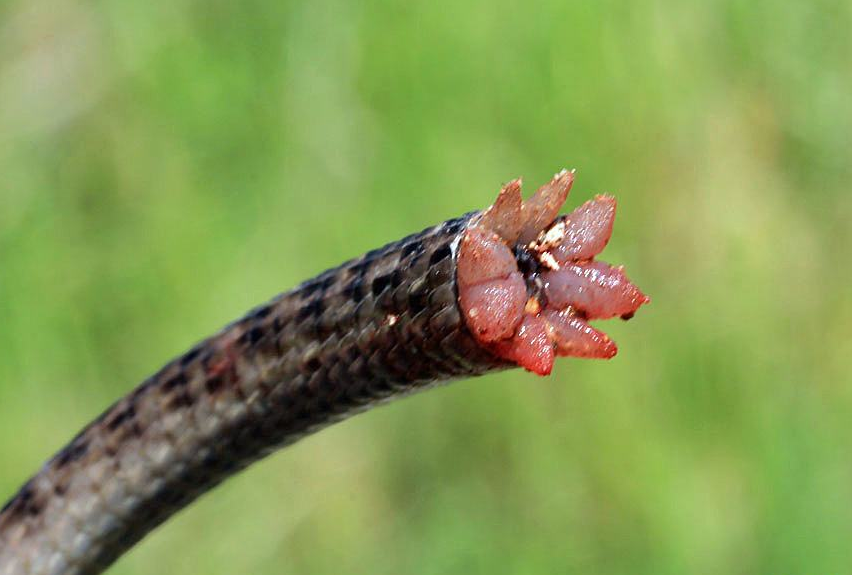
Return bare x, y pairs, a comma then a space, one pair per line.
375, 328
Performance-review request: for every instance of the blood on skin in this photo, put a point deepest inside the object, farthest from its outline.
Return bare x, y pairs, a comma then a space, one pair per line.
531, 314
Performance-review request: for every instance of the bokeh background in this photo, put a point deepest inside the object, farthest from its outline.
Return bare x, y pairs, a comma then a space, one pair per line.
165, 166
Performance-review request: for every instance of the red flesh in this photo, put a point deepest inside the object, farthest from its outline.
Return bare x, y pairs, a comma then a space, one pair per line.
587, 230
493, 293
491, 289
598, 289
531, 346
574, 337
486, 257
493, 308
540, 210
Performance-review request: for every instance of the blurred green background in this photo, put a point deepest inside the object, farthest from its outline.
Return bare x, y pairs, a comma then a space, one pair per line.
165, 166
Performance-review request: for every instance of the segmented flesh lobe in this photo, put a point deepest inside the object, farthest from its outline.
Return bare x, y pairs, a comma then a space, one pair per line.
598, 289
540, 210
563, 286
531, 346
585, 232
503, 217
574, 337
491, 288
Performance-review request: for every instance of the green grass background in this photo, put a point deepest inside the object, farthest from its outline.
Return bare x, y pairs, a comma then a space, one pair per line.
164, 166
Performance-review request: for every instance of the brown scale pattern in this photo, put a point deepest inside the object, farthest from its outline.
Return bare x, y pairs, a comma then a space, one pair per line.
379, 326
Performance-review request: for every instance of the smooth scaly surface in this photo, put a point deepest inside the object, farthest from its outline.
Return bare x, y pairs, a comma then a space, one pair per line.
379, 326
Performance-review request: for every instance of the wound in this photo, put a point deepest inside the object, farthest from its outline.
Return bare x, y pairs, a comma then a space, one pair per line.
528, 281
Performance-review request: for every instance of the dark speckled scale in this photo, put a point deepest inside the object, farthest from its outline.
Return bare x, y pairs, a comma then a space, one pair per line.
382, 325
